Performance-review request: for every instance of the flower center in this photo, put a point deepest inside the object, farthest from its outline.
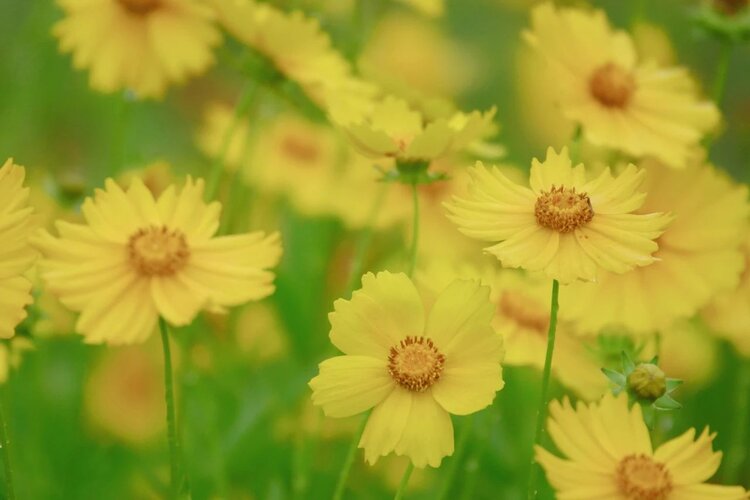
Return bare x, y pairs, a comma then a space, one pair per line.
157, 251
612, 86
415, 363
563, 210
523, 312
640, 478
730, 7
141, 7
300, 149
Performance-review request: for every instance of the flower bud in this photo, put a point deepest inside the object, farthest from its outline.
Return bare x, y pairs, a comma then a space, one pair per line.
647, 381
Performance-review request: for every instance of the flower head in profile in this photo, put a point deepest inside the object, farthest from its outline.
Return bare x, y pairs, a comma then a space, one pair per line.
394, 130
413, 369
138, 45
621, 102
137, 258
565, 225
609, 455
16, 255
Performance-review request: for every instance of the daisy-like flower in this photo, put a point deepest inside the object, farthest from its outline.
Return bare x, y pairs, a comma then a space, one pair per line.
413, 369
138, 45
620, 101
609, 455
699, 255
16, 255
393, 130
137, 258
564, 225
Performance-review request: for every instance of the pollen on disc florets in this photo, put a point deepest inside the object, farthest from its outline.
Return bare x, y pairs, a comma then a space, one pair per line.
157, 251
140, 6
612, 86
639, 477
563, 210
415, 363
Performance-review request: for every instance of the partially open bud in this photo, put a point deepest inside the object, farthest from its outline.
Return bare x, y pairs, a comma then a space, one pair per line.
647, 381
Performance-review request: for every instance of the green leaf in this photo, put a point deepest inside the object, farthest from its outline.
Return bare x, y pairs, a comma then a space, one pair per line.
616, 377
627, 364
666, 403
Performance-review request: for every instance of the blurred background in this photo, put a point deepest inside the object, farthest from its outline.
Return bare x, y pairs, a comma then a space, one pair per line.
87, 422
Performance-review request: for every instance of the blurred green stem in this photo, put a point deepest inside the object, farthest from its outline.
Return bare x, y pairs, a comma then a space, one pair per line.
10, 493
737, 453
363, 242
120, 134
217, 167
404, 481
575, 144
415, 231
542, 411
639, 12
338, 494
452, 468
722, 70
174, 443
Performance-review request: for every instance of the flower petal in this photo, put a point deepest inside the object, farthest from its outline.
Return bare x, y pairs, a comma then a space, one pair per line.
386, 425
428, 434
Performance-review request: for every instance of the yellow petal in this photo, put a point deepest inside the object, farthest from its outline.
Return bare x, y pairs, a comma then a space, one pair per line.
386, 425
428, 434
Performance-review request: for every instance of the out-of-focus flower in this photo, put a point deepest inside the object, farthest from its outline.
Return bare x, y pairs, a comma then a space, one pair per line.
623, 103
16, 255
259, 333
138, 258
432, 8
124, 395
138, 45
725, 19
609, 455
699, 255
11, 355
156, 176
413, 369
566, 226
688, 352
217, 120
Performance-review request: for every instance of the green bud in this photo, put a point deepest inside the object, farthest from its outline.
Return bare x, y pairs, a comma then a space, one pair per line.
647, 381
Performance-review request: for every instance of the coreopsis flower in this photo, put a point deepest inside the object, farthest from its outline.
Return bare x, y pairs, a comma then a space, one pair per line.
564, 225
699, 256
414, 369
609, 455
16, 255
137, 258
393, 130
138, 45
620, 101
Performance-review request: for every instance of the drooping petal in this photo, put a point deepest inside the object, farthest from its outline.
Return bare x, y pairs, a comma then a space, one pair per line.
386, 425
428, 435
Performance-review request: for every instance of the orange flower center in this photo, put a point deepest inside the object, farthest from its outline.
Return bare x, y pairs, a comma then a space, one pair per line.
300, 149
523, 312
612, 86
415, 363
563, 210
141, 7
639, 477
157, 251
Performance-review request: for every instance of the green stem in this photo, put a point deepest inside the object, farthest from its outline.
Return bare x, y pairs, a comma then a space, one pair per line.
639, 12
217, 167
10, 493
404, 482
575, 144
338, 494
363, 243
722, 70
452, 469
415, 231
737, 453
174, 443
542, 411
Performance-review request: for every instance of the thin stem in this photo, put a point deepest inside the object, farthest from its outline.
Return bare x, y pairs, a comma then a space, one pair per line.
364, 240
415, 231
174, 443
722, 70
338, 494
542, 411
575, 144
10, 493
217, 167
450, 473
639, 12
404, 482
737, 453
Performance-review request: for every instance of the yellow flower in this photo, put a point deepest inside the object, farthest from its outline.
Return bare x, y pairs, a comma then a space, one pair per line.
217, 119
432, 8
16, 255
415, 369
699, 255
137, 258
610, 455
139, 45
394, 130
566, 226
621, 102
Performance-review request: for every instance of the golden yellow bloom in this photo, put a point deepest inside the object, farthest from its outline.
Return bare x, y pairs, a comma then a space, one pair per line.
699, 255
16, 255
138, 45
415, 369
137, 258
621, 102
609, 455
393, 130
566, 226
